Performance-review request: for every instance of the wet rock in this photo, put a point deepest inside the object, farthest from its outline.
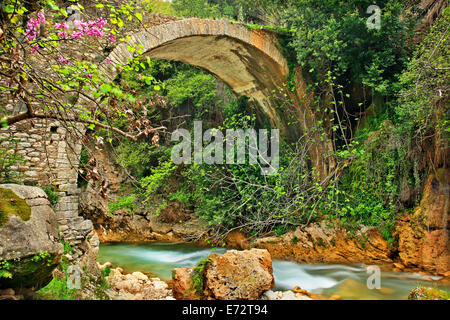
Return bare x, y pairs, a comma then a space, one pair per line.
269, 295
140, 276
320, 243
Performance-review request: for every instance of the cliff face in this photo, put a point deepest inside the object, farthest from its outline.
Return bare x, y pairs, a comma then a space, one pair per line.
424, 234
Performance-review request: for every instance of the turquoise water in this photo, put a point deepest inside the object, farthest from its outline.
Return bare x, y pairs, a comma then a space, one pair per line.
347, 281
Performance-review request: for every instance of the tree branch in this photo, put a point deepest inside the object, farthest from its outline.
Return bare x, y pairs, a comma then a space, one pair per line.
28, 115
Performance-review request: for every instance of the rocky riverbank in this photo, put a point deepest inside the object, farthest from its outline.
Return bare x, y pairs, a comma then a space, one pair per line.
235, 275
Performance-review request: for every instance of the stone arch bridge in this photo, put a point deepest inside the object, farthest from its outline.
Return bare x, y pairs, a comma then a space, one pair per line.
247, 60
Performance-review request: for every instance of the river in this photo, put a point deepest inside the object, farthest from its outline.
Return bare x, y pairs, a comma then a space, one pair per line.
347, 281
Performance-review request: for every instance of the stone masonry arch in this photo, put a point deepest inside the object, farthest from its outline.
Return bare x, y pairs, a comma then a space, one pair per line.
248, 61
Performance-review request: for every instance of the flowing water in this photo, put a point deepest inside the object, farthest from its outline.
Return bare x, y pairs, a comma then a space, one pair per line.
347, 281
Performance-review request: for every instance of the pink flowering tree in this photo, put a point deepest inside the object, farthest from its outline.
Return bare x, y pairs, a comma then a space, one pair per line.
49, 63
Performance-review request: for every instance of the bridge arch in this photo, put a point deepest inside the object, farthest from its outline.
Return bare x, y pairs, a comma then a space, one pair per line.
248, 61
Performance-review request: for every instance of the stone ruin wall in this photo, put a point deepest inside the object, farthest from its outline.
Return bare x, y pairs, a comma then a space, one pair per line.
50, 159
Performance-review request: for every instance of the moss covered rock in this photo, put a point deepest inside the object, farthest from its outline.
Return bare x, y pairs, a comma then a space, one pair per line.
30, 247
11, 204
422, 293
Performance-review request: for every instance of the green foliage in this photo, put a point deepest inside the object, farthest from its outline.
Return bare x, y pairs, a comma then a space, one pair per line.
138, 157
198, 88
127, 203
156, 181
197, 277
333, 36
9, 160
423, 97
57, 290
388, 160
67, 246
43, 257
5, 268
52, 195
196, 8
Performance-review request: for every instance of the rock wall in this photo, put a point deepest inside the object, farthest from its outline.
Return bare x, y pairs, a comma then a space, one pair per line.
424, 234
321, 243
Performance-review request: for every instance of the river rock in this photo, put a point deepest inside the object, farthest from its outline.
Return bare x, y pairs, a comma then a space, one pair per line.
136, 286
284, 295
30, 245
421, 293
182, 284
238, 275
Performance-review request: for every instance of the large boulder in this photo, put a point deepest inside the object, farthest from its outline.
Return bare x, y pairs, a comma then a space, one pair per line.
30, 248
238, 275
235, 275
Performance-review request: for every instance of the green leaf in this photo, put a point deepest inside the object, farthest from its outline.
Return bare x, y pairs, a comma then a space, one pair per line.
52, 5
139, 16
105, 88
9, 8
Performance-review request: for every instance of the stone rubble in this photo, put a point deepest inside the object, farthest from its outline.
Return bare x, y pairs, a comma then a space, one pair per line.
135, 286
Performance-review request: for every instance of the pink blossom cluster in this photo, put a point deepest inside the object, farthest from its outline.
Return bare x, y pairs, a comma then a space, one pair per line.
63, 60
90, 28
33, 25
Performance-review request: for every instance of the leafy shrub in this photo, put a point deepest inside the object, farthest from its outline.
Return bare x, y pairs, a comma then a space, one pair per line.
197, 277
52, 195
126, 203
9, 162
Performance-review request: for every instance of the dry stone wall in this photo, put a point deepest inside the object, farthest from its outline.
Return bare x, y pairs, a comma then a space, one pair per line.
49, 158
